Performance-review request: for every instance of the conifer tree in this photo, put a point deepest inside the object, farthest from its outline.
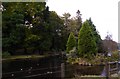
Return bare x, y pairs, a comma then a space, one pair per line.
86, 41
71, 43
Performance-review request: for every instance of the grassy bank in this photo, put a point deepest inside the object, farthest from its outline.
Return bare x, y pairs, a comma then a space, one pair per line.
23, 57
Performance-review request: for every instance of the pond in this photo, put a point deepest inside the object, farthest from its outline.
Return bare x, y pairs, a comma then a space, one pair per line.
44, 67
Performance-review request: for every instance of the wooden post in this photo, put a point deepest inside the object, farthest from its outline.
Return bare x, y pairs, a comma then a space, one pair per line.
62, 70
117, 67
107, 70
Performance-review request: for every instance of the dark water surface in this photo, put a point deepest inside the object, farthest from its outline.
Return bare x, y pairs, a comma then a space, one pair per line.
25, 67
41, 68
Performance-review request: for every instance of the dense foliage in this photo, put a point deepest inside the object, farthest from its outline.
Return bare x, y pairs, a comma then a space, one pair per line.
97, 37
71, 43
32, 29
86, 41
36, 30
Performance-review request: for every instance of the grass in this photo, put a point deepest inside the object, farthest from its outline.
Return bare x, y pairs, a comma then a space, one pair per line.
23, 57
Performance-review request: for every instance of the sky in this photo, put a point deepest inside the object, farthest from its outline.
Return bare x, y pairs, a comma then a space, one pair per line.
104, 13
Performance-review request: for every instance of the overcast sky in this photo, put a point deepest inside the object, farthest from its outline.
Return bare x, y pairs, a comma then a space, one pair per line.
104, 13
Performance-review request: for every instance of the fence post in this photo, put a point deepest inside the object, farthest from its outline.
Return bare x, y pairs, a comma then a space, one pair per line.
117, 67
62, 70
107, 70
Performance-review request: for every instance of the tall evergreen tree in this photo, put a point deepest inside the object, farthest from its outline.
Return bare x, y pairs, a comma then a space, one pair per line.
86, 41
79, 20
98, 39
71, 43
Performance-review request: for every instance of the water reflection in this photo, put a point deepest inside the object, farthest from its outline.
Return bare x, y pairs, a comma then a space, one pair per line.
27, 67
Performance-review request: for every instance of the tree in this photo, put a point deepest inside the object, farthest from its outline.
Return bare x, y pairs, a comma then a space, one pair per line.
66, 17
71, 43
17, 25
98, 39
79, 20
86, 41
33, 27
72, 24
108, 44
12, 27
